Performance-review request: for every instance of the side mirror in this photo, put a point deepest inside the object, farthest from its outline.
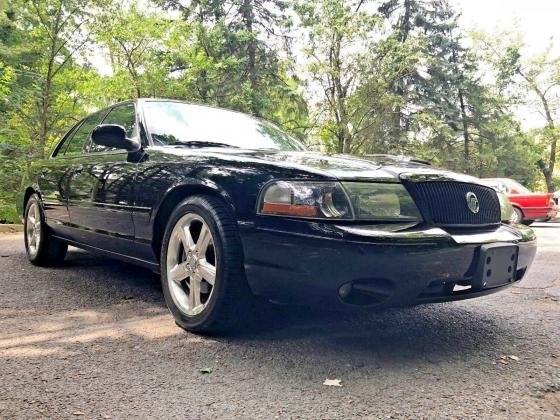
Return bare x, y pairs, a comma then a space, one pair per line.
113, 135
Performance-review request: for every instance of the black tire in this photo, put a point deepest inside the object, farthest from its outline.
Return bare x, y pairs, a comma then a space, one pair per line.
47, 251
226, 308
528, 222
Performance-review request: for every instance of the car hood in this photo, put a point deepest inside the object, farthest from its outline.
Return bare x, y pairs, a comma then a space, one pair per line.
341, 167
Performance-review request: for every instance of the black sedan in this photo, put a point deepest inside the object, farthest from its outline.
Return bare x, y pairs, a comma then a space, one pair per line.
228, 207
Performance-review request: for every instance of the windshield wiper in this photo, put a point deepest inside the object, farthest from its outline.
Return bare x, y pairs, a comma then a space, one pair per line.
196, 143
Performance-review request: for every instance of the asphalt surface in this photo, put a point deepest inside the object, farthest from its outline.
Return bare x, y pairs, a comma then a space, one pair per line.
93, 339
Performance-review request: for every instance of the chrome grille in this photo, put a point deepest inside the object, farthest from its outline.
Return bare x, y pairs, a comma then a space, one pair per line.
445, 203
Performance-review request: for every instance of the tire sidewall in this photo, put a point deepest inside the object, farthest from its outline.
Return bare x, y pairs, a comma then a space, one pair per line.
34, 199
197, 205
518, 215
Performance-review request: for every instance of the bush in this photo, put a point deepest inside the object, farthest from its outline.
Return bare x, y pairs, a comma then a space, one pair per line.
13, 160
8, 213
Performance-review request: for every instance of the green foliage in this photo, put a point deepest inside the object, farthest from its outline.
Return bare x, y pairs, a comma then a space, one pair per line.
345, 76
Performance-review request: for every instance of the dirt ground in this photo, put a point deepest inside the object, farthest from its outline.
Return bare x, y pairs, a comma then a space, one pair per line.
93, 339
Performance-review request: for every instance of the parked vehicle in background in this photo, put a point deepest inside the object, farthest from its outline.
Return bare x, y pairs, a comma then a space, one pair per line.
528, 206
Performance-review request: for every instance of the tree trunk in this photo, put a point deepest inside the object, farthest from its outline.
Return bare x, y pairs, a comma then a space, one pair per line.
466, 138
547, 174
345, 138
399, 88
248, 19
405, 22
46, 103
547, 169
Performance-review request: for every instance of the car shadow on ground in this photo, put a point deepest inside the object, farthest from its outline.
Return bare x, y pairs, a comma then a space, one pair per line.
435, 328
432, 332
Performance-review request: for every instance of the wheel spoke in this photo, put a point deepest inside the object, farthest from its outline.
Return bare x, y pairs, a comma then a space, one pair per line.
194, 292
178, 273
203, 241
186, 237
31, 220
207, 271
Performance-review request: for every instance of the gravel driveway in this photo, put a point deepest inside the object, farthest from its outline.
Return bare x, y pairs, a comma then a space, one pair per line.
93, 339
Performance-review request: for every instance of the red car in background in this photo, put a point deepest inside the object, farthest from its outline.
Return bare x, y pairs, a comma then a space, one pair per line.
529, 206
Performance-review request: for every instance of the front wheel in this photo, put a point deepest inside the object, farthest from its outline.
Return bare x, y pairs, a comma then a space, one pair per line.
202, 270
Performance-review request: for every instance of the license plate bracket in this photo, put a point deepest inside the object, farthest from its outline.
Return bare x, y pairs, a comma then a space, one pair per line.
497, 266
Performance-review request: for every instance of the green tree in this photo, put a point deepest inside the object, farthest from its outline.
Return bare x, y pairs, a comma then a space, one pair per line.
234, 57
532, 82
137, 44
337, 38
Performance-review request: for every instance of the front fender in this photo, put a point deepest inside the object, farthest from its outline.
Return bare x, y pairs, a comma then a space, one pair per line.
190, 186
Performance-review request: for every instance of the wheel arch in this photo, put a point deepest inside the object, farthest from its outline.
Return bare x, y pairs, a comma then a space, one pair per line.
29, 191
172, 198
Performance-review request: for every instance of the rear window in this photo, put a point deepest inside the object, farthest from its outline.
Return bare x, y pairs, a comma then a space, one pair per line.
515, 187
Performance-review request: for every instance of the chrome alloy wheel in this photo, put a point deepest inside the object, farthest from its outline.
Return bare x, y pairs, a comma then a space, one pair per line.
191, 264
33, 229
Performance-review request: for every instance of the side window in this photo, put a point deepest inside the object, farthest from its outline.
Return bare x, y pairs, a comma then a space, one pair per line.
124, 115
59, 150
82, 135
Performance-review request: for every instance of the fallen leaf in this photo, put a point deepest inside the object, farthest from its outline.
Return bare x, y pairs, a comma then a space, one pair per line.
206, 370
332, 382
78, 413
512, 357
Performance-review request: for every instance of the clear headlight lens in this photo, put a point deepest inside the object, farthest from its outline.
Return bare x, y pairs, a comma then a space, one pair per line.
334, 200
386, 202
508, 214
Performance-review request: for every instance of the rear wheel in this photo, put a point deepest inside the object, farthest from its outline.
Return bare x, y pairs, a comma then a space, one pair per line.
41, 247
518, 215
202, 267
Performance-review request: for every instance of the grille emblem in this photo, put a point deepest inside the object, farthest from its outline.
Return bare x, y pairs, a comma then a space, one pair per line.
472, 202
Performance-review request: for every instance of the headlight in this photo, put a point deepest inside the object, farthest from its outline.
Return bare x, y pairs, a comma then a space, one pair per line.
334, 200
323, 200
508, 214
385, 202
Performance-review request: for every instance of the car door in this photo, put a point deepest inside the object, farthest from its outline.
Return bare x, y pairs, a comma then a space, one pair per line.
100, 189
52, 181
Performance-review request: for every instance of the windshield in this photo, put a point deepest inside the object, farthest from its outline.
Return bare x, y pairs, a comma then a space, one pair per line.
176, 123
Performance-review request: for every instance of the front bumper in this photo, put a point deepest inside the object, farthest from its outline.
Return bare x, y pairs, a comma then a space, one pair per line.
377, 265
